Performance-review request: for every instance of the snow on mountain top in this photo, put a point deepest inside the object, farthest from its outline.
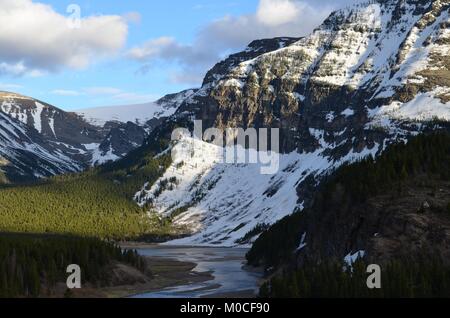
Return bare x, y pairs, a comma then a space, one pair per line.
137, 113
376, 46
11, 104
18, 146
140, 113
351, 48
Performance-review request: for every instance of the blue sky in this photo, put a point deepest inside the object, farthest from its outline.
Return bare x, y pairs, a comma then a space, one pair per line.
141, 51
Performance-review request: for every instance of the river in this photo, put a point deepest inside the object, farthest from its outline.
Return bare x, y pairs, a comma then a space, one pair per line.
226, 265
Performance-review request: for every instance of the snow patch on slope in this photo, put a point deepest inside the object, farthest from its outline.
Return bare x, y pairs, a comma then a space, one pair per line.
220, 203
140, 113
100, 157
424, 107
16, 143
37, 116
351, 259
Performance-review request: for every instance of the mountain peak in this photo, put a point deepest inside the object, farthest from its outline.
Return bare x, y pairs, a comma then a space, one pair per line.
372, 74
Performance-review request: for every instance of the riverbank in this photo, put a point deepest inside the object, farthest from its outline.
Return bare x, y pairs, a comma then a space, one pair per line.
127, 281
180, 272
230, 277
166, 273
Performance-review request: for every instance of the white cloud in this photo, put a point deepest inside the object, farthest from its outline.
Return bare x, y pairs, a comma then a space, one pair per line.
277, 12
272, 18
153, 48
39, 40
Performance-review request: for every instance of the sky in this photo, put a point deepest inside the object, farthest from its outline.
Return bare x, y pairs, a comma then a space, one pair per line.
90, 53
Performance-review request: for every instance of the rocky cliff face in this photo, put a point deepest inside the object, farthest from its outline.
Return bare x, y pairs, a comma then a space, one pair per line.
370, 75
380, 59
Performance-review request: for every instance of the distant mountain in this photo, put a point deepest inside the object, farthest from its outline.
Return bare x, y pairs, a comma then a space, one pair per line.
140, 114
51, 122
39, 140
129, 125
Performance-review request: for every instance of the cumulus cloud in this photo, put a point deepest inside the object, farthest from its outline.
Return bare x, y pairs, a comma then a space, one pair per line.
272, 18
278, 12
35, 39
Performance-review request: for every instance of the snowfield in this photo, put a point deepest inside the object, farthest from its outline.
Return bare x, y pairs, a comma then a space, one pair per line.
139, 114
219, 202
424, 107
11, 107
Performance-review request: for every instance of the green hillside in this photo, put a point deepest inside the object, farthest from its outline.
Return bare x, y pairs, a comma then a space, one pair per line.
96, 203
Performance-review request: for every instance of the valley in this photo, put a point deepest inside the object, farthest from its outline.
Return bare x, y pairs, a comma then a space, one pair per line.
361, 110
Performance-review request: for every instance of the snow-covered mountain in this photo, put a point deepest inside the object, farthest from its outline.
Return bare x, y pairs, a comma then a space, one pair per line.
128, 126
39, 140
51, 122
140, 114
372, 74
220, 203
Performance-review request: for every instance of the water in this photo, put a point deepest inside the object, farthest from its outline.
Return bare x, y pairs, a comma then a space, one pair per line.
225, 265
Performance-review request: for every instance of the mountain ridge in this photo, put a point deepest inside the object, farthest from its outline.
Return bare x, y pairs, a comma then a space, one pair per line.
371, 75
53, 141
140, 114
357, 84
